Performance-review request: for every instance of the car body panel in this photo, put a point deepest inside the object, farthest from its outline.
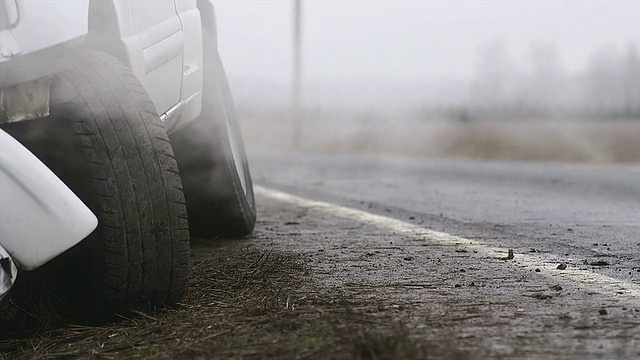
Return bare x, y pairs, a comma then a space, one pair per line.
40, 53
154, 42
40, 216
162, 44
161, 41
61, 22
192, 74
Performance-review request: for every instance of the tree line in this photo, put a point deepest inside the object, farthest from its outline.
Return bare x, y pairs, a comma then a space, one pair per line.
607, 88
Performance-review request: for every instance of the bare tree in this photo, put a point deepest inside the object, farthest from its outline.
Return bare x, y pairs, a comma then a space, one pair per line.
631, 79
547, 82
491, 85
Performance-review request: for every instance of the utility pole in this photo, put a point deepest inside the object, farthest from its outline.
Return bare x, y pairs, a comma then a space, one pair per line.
297, 111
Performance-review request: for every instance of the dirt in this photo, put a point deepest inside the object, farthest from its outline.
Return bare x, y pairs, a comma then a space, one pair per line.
317, 286
251, 299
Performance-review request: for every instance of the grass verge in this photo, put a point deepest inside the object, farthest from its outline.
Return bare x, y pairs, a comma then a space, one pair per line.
243, 303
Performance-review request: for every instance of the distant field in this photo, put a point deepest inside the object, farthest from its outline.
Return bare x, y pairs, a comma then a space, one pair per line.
549, 140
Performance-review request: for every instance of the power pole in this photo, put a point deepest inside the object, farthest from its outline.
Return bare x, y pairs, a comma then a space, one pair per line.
297, 111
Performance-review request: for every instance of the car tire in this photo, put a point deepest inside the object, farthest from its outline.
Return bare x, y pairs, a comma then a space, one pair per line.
213, 162
105, 140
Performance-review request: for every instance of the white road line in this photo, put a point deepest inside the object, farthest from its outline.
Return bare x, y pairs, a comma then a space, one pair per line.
585, 279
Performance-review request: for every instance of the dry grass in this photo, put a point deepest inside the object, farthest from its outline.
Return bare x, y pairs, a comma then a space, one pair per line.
549, 140
577, 142
243, 303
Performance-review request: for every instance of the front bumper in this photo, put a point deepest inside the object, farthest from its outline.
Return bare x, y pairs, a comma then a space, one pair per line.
40, 217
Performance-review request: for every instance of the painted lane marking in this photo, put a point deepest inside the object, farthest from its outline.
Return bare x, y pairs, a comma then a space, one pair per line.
587, 280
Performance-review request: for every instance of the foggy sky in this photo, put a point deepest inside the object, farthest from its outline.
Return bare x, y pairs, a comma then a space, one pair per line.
414, 39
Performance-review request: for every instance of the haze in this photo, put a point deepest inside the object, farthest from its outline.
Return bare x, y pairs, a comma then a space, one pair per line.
378, 73
415, 39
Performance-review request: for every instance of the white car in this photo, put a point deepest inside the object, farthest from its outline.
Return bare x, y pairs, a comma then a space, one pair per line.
118, 139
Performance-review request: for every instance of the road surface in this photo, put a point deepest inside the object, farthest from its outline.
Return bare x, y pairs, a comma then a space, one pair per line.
501, 259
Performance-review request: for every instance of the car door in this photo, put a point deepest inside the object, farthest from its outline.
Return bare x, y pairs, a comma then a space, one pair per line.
152, 34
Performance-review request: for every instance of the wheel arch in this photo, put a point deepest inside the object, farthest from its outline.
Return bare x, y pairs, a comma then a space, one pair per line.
105, 33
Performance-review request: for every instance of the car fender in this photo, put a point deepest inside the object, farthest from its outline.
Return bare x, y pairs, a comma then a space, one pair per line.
40, 217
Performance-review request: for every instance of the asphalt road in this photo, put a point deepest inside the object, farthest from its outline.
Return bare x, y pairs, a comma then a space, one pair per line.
583, 216
582, 210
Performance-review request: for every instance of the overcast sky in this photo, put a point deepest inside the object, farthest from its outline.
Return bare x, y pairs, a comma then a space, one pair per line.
414, 39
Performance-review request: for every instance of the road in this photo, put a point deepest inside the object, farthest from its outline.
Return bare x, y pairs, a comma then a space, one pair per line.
450, 224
